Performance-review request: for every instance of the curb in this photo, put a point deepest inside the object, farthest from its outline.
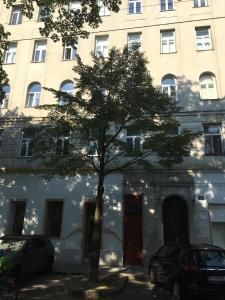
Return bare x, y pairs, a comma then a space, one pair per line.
97, 293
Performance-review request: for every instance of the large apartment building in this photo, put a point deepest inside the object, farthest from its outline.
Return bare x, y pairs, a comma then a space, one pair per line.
184, 41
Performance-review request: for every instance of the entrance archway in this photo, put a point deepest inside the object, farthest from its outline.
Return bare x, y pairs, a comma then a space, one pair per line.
175, 221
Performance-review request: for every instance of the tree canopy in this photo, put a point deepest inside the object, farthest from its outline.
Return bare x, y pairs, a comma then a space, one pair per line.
88, 131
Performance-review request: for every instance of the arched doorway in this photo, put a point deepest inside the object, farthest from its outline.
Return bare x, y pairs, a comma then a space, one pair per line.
175, 221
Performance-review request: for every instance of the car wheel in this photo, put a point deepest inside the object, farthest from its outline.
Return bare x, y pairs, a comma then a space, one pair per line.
177, 292
152, 277
48, 266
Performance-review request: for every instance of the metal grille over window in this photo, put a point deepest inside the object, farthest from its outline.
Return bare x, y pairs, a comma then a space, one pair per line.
213, 140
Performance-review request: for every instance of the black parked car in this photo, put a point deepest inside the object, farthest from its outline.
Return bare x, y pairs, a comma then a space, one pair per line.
27, 254
192, 270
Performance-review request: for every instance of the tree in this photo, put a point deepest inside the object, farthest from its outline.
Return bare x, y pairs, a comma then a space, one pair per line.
3, 76
82, 132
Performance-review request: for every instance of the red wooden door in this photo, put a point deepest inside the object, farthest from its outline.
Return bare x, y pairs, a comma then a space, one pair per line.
132, 230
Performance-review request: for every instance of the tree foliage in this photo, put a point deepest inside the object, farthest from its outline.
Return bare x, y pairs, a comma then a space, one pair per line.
3, 45
87, 133
60, 22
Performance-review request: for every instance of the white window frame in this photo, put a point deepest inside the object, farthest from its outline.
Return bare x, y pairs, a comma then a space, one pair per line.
41, 18
203, 42
168, 88
61, 101
168, 43
211, 135
135, 137
10, 54
102, 45
135, 9
75, 5
17, 14
208, 82
69, 53
39, 53
5, 101
27, 142
33, 98
133, 37
200, 3
104, 10
61, 142
167, 4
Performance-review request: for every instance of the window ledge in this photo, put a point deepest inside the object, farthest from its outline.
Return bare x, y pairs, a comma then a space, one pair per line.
135, 13
166, 10
203, 50
9, 63
200, 6
72, 59
36, 62
174, 52
213, 99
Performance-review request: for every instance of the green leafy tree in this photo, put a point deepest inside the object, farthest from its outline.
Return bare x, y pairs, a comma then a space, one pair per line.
3, 45
84, 132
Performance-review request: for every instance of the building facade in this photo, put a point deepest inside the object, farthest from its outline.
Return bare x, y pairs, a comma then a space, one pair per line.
184, 42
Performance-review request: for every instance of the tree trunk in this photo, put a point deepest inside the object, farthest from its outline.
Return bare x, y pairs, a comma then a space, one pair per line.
97, 232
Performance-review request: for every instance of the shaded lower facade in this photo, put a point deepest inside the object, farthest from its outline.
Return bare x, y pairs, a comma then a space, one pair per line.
142, 212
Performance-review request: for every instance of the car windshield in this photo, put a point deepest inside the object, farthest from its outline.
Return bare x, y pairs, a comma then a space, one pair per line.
209, 258
11, 244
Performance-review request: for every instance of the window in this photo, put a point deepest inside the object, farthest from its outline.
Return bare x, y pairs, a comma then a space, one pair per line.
213, 139
26, 144
43, 13
54, 218
16, 16
101, 45
169, 86
18, 212
75, 5
1, 137
39, 51
6, 90
208, 88
66, 87
69, 52
200, 3
62, 144
33, 95
166, 5
10, 54
134, 7
203, 38
134, 141
168, 41
104, 11
133, 38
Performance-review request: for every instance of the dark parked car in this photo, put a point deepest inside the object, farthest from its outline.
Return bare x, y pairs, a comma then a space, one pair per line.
27, 254
193, 270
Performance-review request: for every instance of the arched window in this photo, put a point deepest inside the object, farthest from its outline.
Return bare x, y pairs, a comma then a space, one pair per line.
33, 94
6, 90
208, 88
169, 86
66, 87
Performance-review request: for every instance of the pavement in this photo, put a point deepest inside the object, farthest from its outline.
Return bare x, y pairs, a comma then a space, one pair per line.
58, 286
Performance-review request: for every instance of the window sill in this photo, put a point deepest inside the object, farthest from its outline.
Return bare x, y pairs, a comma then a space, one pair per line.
15, 24
134, 13
213, 99
203, 50
72, 59
200, 6
167, 10
13, 63
36, 62
174, 52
